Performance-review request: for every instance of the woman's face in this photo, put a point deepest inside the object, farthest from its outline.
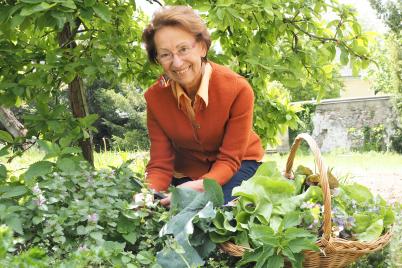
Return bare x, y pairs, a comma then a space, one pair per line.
180, 56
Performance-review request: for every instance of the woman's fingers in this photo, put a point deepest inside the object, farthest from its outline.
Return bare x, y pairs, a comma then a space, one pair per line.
166, 201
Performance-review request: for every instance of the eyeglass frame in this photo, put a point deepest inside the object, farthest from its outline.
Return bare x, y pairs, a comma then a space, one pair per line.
171, 54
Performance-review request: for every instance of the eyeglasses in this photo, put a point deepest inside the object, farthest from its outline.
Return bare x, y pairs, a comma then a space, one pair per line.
182, 51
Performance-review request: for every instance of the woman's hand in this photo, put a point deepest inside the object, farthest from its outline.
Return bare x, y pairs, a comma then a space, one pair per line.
197, 185
166, 201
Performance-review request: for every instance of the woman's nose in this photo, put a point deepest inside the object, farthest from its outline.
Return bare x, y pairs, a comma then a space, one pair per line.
176, 61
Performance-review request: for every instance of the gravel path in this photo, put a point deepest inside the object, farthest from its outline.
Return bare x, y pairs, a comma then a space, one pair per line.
387, 184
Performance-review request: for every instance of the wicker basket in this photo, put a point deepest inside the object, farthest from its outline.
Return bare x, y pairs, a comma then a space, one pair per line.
334, 252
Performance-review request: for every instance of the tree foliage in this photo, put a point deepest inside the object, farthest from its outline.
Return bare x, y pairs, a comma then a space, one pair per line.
288, 41
272, 40
36, 68
388, 74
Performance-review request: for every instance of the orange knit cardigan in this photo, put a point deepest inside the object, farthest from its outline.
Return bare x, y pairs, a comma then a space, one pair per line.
213, 146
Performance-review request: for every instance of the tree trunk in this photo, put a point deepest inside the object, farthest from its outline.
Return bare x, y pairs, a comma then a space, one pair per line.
76, 89
11, 123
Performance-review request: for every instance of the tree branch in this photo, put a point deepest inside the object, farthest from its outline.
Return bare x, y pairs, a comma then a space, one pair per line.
154, 1
324, 39
256, 21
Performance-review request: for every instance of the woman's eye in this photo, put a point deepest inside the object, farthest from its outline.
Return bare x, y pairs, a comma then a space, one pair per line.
183, 50
164, 55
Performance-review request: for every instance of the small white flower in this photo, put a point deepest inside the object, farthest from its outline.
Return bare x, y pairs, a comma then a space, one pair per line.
82, 247
142, 200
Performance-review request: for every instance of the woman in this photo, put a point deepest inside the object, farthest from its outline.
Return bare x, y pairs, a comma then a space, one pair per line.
199, 113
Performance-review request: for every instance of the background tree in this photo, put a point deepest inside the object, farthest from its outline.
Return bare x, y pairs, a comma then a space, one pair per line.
122, 116
288, 41
387, 75
51, 48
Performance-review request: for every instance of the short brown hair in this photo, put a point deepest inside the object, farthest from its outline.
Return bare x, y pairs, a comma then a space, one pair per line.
181, 16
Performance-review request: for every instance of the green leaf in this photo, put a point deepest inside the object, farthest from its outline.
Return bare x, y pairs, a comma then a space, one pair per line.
125, 226
15, 223
373, 232
275, 261
3, 171
291, 219
29, 10
67, 165
89, 3
51, 149
36, 220
182, 222
96, 235
263, 234
181, 198
183, 255
69, 4
31, 1
268, 169
298, 245
4, 151
145, 257
103, 12
214, 192
37, 169
14, 191
88, 120
131, 237
293, 233
5, 136
65, 141
258, 255
81, 230
362, 222
358, 192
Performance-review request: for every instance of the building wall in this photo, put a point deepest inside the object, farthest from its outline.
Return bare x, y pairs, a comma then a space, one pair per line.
339, 123
354, 87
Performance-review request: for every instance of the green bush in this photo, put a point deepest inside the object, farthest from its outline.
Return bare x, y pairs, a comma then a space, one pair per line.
34, 257
83, 216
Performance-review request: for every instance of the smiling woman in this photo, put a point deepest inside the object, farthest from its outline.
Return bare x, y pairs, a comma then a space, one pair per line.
199, 113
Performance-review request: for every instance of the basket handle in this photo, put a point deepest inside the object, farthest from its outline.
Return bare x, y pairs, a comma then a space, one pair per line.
323, 179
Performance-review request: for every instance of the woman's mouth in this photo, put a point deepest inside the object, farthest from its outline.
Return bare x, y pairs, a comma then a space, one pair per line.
182, 71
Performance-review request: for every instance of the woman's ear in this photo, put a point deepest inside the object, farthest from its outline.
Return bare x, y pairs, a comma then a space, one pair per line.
204, 50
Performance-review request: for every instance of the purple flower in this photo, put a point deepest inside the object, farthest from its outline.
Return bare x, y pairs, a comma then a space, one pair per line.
41, 200
93, 217
36, 190
90, 179
335, 192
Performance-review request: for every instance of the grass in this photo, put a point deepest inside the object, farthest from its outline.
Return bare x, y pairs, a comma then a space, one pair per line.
342, 161
347, 161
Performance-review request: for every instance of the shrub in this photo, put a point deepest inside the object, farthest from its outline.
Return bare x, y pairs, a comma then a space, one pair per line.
84, 216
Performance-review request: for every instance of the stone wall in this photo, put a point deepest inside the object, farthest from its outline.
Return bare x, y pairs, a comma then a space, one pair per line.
338, 123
